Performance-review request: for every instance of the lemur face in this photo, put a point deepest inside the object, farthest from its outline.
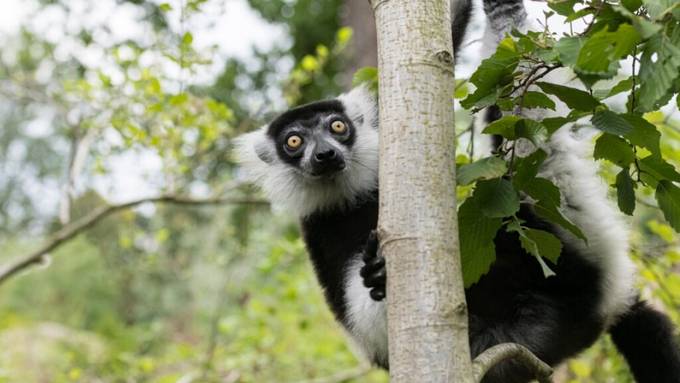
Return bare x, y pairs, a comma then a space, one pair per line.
316, 156
315, 139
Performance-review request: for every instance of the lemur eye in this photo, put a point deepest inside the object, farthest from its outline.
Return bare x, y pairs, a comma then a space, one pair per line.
338, 126
294, 142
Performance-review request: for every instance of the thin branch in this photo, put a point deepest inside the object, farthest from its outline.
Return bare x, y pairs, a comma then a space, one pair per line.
342, 376
86, 222
496, 354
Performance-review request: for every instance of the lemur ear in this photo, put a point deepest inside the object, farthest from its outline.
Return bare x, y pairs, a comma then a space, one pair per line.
263, 150
254, 145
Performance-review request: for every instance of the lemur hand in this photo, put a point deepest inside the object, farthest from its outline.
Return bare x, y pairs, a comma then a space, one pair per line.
373, 271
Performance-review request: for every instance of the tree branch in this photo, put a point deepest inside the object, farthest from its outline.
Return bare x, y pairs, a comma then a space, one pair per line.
86, 222
496, 354
343, 375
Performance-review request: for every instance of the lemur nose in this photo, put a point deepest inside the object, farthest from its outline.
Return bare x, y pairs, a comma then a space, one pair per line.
325, 155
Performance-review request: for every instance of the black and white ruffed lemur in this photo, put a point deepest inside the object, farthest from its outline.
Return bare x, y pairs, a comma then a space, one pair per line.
320, 161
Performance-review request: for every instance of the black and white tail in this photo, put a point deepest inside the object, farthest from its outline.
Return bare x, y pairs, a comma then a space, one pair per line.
645, 338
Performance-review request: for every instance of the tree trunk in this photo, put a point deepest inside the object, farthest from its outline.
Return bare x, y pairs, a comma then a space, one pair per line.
427, 313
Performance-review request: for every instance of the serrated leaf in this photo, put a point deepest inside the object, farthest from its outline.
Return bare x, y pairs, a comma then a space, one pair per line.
658, 70
484, 169
654, 169
625, 192
492, 75
568, 49
542, 190
549, 246
668, 197
477, 248
601, 51
644, 134
622, 86
574, 98
614, 149
535, 100
610, 122
539, 244
497, 198
527, 167
505, 126
562, 7
553, 215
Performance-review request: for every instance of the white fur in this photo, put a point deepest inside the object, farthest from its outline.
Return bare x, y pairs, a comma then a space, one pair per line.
366, 318
287, 187
585, 203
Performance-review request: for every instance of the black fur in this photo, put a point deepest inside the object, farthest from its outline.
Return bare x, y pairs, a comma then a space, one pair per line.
555, 317
461, 11
333, 237
645, 338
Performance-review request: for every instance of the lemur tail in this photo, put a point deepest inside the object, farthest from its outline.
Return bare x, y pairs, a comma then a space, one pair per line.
645, 338
461, 11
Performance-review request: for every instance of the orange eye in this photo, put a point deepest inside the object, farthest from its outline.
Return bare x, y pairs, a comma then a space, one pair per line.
338, 126
294, 142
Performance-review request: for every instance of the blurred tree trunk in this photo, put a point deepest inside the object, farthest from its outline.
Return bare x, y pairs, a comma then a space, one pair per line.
358, 15
427, 313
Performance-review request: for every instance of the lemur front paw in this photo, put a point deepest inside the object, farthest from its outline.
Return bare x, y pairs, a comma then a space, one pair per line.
373, 272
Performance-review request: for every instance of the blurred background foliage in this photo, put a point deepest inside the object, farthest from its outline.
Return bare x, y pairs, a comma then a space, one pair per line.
91, 115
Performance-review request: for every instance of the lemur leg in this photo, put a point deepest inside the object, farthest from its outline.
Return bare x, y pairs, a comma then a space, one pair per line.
373, 272
542, 325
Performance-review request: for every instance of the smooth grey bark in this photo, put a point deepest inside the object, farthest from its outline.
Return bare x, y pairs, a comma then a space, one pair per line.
427, 315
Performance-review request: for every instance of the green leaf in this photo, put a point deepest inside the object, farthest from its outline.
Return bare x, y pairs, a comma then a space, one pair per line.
658, 70
513, 127
610, 122
484, 169
538, 243
655, 169
614, 149
658, 8
644, 134
568, 49
632, 5
562, 7
549, 246
543, 190
601, 52
623, 86
532, 130
535, 100
552, 214
574, 98
668, 197
625, 192
367, 75
527, 167
497, 198
492, 75
505, 126
477, 248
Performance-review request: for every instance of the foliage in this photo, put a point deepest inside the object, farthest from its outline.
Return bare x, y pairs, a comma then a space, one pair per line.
644, 36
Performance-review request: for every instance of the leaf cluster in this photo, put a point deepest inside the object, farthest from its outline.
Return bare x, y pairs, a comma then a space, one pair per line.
642, 34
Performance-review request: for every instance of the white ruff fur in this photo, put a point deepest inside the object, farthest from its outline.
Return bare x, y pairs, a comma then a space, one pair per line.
584, 194
367, 318
289, 189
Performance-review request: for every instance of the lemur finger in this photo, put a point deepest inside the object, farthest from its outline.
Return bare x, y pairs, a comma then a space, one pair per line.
372, 265
378, 294
371, 247
375, 279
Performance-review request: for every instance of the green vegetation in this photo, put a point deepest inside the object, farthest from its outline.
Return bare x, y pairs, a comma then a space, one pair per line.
189, 290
